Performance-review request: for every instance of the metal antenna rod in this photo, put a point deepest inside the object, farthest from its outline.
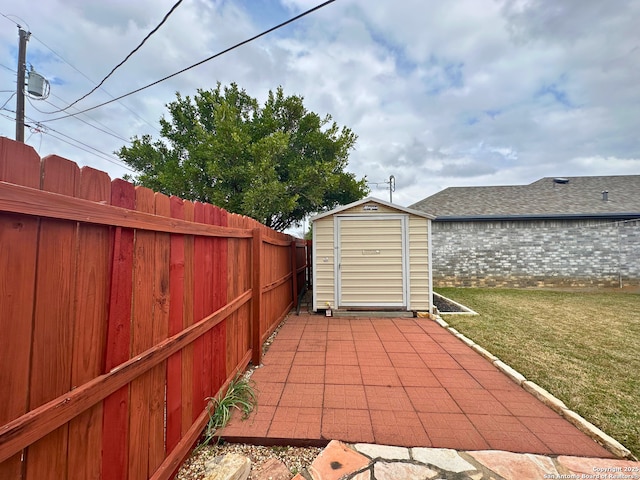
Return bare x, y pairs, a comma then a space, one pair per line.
392, 187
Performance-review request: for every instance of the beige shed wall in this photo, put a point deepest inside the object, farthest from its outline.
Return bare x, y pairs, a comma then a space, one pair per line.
371, 263
324, 270
359, 210
419, 263
418, 255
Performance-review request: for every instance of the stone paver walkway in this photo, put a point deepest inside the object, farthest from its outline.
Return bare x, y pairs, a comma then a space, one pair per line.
367, 462
403, 382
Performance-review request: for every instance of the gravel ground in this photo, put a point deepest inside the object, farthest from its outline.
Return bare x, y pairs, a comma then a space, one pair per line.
295, 458
444, 305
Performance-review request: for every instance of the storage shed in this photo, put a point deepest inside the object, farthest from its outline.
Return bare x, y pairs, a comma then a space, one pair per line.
372, 255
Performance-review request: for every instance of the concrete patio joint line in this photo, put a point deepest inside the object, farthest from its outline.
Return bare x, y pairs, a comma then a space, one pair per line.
545, 397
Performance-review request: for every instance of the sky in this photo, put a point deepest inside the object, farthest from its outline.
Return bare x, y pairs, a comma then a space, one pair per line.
440, 94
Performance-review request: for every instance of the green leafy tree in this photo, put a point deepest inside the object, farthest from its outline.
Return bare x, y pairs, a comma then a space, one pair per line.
276, 163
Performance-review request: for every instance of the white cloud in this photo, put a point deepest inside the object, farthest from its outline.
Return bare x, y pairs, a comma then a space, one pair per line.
467, 92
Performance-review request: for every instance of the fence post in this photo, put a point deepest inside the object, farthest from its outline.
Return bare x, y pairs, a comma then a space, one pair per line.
294, 273
309, 252
256, 296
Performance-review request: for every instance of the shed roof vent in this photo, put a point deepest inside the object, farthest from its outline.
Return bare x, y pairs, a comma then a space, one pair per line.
605, 195
560, 180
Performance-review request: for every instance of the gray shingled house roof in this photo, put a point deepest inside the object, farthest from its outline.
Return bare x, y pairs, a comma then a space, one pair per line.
546, 198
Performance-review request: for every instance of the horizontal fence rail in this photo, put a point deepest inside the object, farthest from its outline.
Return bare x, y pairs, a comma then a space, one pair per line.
122, 311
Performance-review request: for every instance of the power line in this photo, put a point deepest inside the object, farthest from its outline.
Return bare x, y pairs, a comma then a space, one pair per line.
227, 50
90, 80
33, 132
14, 22
112, 133
8, 100
62, 100
87, 150
84, 146
164, 19
103, 155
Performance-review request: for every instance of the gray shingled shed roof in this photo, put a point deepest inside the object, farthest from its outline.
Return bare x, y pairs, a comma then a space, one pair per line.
579, 196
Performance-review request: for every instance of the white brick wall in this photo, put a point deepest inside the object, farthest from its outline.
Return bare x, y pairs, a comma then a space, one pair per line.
536, 253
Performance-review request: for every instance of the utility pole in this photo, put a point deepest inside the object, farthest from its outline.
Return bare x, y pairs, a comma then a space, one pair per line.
392, 185
22, 71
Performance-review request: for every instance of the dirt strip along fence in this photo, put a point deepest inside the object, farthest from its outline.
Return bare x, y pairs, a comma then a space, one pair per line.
121, 311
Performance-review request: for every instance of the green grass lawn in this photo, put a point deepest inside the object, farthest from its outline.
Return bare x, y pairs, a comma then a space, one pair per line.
583, 347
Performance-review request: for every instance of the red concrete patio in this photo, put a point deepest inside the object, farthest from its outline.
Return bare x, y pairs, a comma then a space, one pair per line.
402, 381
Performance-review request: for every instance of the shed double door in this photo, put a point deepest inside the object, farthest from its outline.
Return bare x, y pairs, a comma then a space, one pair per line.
372, 262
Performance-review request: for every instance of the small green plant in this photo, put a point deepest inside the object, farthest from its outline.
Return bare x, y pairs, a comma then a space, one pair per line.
280, 449
240, 395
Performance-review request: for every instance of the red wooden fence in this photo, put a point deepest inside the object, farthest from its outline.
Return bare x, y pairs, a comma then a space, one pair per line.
121, 311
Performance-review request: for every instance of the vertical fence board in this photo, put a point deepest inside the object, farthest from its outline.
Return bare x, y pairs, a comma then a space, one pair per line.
161, 305
232, 325
208, 280
19, 164
268, 274
19, 239
86, 298
176, 306
247, 283
53, 321
199, 393
219, 332
115, 431
256, 297
294, 272
262, 266
91, 300
309, 264
188, 320
232, 280
141, 339
249, 277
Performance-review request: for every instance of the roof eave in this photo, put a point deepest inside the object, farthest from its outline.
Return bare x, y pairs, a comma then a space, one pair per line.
569, 216
372, 199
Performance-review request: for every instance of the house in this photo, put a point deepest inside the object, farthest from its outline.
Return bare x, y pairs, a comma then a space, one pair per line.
555, 232
372, 255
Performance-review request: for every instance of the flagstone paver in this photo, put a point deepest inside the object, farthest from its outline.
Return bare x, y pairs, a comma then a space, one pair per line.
443, 458
402, 471
516, 466
598, 467
366, 461
383, 451
335, 461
